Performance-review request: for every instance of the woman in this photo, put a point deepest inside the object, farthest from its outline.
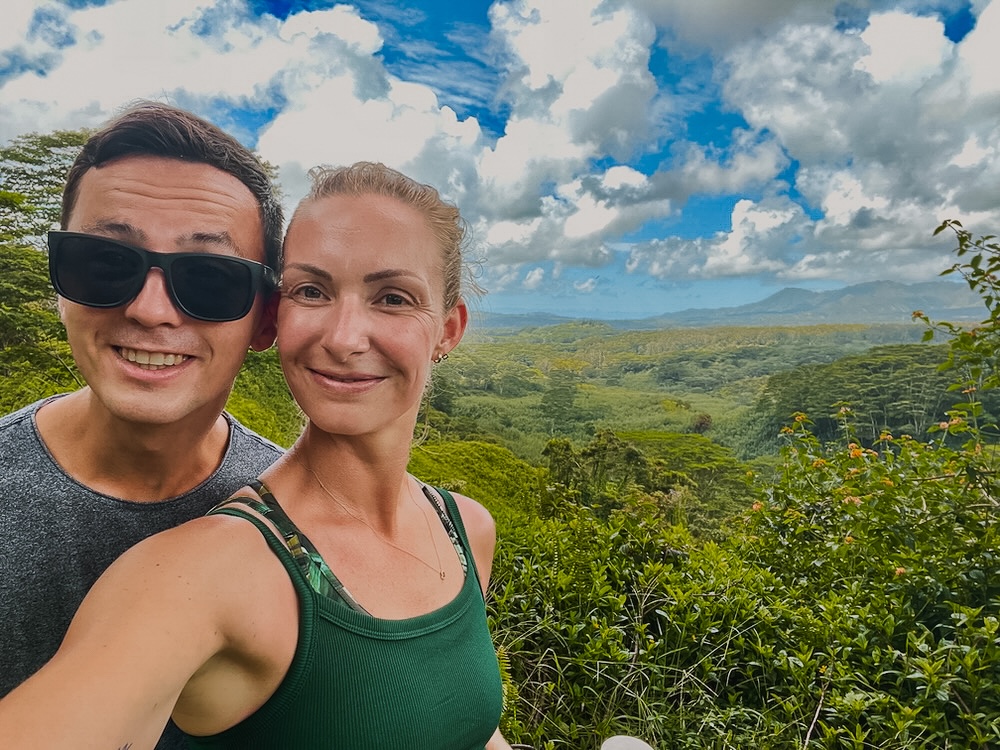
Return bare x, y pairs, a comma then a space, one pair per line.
349, 616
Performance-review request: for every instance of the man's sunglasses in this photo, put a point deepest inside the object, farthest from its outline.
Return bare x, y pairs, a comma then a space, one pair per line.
101, 272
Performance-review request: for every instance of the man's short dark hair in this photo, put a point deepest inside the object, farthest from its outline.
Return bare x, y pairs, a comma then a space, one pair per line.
155, 129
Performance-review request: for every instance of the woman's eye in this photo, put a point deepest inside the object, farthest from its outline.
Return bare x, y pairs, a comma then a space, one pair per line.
394, 300
305, 291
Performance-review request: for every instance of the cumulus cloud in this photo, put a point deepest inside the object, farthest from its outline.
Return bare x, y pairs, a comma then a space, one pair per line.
534, 278
848, 131
764, 238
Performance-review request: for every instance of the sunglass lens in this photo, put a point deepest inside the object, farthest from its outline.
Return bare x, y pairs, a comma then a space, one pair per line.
100, 273
211, 287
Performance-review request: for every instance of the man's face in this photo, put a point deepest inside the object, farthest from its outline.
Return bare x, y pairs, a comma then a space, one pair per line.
146, 361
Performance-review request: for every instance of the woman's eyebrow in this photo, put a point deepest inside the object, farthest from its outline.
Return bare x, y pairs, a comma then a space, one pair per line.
310, 269
389, 273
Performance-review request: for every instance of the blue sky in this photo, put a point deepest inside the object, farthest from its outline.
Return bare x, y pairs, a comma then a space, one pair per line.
613, 158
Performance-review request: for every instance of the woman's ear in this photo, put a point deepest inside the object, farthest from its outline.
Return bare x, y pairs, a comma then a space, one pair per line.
455, 323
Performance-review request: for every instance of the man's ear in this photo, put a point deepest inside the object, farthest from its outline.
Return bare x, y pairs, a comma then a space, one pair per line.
267, 326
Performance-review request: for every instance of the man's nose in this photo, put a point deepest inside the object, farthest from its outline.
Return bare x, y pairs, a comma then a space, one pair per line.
153, 306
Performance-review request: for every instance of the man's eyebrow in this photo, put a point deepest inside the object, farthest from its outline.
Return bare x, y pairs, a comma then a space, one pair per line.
117, 228
137, 236
212, 238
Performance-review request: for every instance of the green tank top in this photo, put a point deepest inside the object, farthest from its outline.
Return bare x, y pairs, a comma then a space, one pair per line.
358, 682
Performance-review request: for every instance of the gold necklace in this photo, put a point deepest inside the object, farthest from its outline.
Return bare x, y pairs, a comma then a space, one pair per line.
360, 519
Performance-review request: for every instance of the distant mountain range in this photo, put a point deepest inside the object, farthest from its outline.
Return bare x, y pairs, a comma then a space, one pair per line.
872, 302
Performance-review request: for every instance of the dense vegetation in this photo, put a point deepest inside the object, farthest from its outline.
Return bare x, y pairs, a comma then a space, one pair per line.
710, 538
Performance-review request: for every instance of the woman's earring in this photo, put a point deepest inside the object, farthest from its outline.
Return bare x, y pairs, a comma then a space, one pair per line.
440, 358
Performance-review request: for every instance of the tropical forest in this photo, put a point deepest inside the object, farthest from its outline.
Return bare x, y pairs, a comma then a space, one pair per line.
708, 537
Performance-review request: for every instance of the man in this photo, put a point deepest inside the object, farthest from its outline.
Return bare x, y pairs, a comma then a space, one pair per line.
165, 273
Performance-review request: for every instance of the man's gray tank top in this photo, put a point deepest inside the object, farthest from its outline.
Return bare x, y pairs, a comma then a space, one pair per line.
59, 536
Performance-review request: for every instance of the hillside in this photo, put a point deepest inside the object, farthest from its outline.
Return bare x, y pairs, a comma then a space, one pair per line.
872, 302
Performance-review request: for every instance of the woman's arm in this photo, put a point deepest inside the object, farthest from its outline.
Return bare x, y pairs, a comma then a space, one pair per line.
497, 742
147, 625
482, 533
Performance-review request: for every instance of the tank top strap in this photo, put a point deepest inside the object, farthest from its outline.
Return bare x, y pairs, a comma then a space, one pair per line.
456, 529
309, 562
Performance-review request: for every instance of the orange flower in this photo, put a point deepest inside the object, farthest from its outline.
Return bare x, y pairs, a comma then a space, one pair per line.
757, 506
900, 571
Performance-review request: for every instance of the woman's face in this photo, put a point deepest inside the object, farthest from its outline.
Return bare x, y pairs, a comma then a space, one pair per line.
362, 313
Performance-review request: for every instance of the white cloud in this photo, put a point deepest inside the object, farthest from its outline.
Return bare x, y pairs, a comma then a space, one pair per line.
974, 153
759, 241
585, 287
623, 176
534, 278
720, 24
980, 55
17, 19
904, 48
879, 126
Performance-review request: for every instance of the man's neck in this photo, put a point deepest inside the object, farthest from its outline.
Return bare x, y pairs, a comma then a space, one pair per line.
127, 460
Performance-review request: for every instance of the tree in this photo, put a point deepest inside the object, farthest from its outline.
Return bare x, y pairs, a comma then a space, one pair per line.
35, 360
559, 402
33, 170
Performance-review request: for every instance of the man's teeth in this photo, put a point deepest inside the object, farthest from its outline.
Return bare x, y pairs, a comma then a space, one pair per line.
152, 360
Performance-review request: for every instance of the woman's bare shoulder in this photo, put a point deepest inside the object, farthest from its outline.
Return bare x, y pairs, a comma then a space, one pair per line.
475, 516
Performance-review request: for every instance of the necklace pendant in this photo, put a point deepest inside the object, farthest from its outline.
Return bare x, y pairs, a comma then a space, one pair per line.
442, 575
